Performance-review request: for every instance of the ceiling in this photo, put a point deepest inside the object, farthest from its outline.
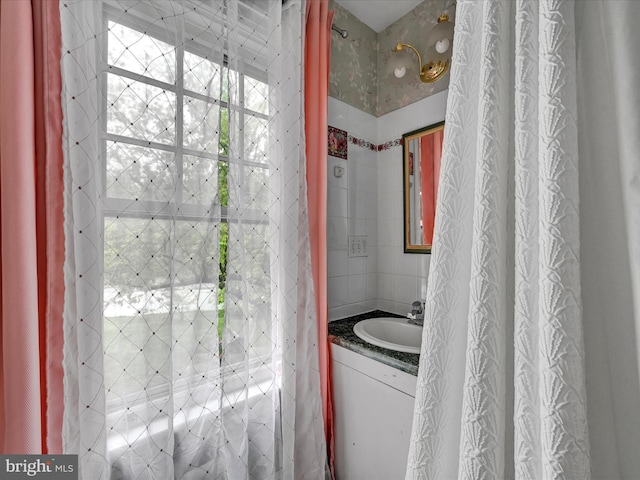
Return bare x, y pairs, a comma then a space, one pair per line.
379, 14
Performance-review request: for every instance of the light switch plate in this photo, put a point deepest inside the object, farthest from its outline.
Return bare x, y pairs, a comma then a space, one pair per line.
358, 246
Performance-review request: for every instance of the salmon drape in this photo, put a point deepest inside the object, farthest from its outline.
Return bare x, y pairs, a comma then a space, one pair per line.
31, 219
430, 153
316, 74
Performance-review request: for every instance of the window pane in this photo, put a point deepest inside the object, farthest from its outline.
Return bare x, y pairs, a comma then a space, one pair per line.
140, 173
201, 75
254, 194
200, 180
248, 300
140, 111
137, 255
201, 123
194, 255
127, 369
256, 138
140, 53
257, 186
160, 293
223, 148
256, 95
223, 182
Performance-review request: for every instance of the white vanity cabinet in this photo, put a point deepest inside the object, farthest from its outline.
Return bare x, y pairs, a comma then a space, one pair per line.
373, 407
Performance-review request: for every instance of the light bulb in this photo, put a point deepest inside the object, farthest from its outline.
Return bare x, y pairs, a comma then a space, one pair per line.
442, 45
399, 72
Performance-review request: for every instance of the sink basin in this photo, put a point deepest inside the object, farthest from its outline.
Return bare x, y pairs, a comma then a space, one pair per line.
392, 333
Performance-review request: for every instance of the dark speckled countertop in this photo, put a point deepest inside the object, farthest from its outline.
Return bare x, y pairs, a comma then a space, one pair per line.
341, 333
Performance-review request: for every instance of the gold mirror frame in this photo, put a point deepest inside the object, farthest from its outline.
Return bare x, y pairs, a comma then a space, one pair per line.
409, 181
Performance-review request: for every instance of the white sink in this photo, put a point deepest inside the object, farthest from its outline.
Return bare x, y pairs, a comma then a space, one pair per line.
390, 332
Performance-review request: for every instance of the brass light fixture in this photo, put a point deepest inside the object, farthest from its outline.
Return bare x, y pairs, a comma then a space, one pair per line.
438, 54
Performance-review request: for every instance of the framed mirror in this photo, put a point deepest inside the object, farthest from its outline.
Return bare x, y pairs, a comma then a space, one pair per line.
421, 152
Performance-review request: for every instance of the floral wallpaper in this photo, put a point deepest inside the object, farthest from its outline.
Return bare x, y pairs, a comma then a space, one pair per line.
394, 93
353, 71
359, 75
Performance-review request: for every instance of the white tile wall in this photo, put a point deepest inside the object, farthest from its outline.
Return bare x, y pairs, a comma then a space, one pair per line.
367, 200
352, 210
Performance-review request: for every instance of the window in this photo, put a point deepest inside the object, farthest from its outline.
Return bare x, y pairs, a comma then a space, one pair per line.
181, 124
177, 156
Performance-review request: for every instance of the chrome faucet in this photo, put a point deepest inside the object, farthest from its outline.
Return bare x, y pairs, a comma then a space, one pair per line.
416, 316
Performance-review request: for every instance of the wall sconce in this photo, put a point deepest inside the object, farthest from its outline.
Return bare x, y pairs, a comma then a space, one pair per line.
438, 55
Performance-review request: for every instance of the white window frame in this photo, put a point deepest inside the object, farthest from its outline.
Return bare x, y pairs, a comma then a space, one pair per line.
146, 209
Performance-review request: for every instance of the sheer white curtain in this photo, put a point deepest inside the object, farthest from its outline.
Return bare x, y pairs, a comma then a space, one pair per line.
529, 364
190, 335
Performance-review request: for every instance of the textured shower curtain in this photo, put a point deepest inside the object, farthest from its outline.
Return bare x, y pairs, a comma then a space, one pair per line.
529, 364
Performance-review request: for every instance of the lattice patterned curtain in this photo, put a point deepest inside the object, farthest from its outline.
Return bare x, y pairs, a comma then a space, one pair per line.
190, 322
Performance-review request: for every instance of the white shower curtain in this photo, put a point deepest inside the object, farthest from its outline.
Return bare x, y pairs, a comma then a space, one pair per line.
529, 363
190, 326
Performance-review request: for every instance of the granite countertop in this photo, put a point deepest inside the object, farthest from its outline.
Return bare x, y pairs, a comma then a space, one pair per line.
341, 333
